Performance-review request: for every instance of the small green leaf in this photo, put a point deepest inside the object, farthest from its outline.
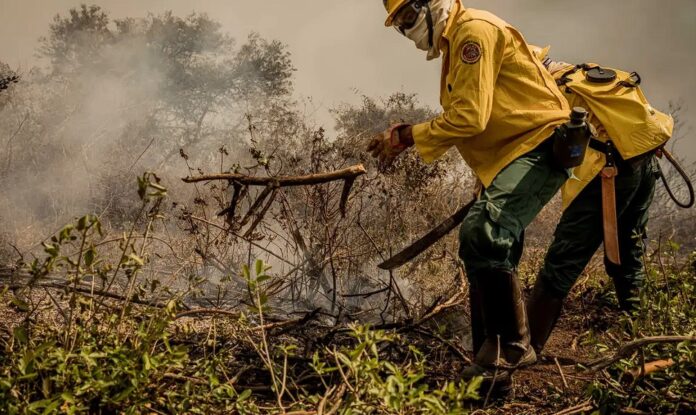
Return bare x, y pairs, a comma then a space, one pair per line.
263, 278
82, 223
136, 259
20, 304
20, 334
147, 362
259, 267
473, 387
52, 250
244, 395
89, 256
64, 233
68, 397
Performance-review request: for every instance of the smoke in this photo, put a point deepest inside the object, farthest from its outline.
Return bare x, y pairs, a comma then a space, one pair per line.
120, 98
64, 141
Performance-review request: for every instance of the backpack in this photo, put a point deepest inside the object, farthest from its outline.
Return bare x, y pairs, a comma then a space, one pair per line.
616, 100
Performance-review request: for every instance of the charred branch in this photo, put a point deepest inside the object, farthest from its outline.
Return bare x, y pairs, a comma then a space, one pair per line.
284, 181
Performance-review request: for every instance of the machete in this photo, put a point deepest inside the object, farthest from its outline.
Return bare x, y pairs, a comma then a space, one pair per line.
428, 240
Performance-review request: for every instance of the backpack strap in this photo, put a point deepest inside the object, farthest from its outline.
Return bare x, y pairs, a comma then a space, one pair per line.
565, 78
633, 81
598, 145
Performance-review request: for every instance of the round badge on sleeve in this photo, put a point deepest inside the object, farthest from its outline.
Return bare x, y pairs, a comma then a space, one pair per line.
471, 52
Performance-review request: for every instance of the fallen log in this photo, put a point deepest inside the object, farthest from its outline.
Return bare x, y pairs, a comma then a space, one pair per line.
283, 181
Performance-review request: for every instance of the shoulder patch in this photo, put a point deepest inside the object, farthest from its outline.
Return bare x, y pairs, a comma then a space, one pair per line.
471, 52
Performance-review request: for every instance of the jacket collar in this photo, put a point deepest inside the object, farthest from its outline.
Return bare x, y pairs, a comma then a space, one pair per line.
450, 27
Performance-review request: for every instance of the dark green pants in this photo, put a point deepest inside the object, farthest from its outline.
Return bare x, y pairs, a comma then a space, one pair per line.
491, 236
579, 232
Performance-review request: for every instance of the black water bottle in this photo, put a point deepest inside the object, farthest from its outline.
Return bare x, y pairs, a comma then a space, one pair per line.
570, 146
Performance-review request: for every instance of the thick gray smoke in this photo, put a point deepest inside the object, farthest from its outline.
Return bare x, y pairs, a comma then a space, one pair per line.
120, 98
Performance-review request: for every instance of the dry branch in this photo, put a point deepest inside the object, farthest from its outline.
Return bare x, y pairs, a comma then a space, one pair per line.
577, 409
261, 214
83, 290
651, 367
627, 349
284, 181
277, 322
344, 195
257, 203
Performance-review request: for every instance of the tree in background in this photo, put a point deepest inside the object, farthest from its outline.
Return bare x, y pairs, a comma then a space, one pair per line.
128, 94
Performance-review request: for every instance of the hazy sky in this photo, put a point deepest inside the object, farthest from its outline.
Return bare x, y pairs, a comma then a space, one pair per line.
340, 46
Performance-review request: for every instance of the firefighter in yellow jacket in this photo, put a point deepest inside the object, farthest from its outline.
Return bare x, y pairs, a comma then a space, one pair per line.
501, 109
622, 116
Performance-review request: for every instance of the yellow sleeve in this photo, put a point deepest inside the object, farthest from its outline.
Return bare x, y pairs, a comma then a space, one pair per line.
476, 55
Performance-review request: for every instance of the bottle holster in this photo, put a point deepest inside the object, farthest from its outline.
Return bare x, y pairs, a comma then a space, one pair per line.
570, 145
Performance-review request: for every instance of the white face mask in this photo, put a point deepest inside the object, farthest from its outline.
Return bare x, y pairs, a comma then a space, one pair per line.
419, 34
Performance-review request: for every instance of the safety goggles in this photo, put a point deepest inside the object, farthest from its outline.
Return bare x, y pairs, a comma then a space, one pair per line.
407, 16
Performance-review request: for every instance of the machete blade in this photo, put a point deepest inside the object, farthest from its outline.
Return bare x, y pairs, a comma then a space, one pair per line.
427, 240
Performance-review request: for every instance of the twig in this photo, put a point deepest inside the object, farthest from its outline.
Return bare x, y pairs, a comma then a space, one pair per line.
366, 295
344, 195
257, 203
87, 291
632, 411
372, 241
446, 342
284, 181
340, 371
439, 308
207, 311
174, 376
277, 322
252, 243
577, 409
627, 349
261, 214
290, 323
560, 370
229, 211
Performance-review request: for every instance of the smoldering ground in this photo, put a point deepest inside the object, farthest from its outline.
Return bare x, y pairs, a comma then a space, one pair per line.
179, 96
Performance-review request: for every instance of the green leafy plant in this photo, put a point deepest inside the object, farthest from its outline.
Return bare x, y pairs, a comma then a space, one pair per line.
370, 384
658, 377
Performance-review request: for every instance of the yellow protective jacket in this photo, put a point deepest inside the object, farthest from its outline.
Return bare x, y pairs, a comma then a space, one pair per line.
619, 111
498, 100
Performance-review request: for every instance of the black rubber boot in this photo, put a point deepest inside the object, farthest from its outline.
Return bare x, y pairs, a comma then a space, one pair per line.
627, 287
478, 333
506, 346
543, 309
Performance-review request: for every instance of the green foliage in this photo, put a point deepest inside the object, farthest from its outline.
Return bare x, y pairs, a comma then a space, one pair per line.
119, 357
255, 281
105, 357
370, 384
667, 307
